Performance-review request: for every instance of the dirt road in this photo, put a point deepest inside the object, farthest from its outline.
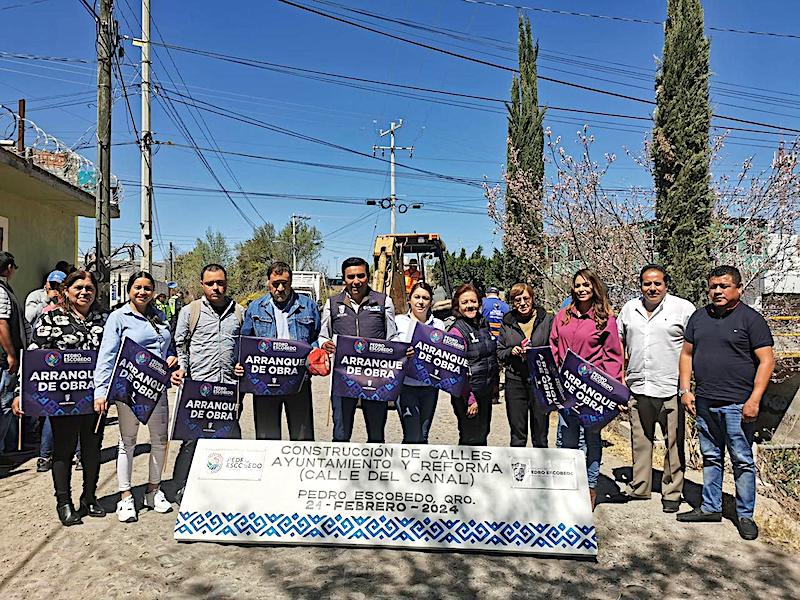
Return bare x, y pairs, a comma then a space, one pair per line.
644, 553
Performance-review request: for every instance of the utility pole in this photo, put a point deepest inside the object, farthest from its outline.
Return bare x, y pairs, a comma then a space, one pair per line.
171, 263
294, 237
391, 147
105, 49
146, 146
21, 127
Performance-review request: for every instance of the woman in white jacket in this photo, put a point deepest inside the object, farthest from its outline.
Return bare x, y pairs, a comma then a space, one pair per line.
417, 402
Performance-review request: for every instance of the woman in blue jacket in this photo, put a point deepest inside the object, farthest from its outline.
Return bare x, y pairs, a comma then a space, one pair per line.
140, 321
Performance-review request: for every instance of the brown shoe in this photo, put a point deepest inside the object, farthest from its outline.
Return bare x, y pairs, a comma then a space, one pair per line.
593, 497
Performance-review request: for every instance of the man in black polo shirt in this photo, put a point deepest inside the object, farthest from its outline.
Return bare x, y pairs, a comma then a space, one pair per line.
728, 346
362, 312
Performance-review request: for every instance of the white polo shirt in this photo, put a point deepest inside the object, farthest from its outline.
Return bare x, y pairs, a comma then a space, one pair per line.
653, 344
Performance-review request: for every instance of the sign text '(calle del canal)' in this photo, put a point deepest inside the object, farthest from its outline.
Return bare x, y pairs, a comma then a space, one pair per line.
528, 500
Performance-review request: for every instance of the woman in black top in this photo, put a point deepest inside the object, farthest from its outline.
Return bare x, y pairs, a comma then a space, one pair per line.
524, 326
76, 325
474, 413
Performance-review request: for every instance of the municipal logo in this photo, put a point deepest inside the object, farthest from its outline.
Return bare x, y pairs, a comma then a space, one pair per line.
360, 345
141, 358
583, 370
264, 346
519, 469
214, 462
205, 389
52, 359
436, 336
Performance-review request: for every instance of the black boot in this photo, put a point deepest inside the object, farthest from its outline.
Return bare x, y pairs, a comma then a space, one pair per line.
91, 508
68, 515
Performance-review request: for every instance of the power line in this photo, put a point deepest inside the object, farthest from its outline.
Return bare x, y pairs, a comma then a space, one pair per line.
305, 163
23, 4
321, 75
172, 113
510, 69
638, 21
212, 108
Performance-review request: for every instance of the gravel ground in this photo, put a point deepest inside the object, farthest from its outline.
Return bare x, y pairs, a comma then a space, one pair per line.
643, 552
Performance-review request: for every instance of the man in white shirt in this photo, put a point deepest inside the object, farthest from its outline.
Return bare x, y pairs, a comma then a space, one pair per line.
651, 328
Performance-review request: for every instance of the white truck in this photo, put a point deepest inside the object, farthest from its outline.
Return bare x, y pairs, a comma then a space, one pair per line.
309, 283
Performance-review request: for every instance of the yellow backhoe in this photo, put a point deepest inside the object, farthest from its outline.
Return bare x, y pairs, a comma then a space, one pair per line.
391, 254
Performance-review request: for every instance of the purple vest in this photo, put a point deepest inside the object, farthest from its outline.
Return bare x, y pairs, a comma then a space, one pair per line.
369, 321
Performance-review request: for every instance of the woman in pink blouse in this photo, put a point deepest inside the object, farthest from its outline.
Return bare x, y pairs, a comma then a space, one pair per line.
588, 328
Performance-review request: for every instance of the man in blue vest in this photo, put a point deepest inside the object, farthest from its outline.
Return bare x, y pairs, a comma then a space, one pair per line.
363, 312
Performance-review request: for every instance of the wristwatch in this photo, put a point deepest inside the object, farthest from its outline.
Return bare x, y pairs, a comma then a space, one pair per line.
683, 391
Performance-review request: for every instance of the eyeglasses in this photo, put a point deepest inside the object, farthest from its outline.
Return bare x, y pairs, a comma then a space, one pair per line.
518, 301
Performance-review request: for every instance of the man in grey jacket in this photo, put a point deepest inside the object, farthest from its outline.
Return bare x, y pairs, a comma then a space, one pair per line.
205, 339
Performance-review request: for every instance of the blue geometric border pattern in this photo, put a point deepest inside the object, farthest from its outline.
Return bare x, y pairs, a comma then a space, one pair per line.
449, 532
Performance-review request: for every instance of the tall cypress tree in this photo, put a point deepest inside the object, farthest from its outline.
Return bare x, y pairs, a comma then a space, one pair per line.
526, 138
681, 153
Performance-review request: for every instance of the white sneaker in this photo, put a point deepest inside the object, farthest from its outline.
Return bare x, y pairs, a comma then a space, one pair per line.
156, 501
126, 510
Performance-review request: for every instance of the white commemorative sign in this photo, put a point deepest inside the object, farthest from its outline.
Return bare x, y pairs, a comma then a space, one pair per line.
524, 500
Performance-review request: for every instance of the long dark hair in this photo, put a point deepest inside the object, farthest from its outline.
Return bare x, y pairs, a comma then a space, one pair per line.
467, 287
600, 302
71, 279
150, 312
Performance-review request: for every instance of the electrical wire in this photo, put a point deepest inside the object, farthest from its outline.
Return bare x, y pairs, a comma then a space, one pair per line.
509, 69
570, 13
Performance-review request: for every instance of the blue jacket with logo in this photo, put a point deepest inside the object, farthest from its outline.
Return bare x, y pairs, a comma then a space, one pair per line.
303, 318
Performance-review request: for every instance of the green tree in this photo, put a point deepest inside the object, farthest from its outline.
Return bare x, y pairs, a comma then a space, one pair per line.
253, 256
213, 248
267, 245
681, 152
473, 268
525, 159
308, 241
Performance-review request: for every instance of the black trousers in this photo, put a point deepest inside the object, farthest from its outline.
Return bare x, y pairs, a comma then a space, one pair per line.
474, 431
66, 433
523, 412
299, 415
344, 413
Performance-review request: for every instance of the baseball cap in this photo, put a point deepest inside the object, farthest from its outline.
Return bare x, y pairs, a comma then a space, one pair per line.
492, 290
57, 276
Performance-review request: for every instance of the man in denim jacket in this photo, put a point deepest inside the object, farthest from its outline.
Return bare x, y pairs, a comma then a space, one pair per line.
283, 314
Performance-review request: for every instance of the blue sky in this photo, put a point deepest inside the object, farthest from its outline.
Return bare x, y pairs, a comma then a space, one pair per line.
755, 77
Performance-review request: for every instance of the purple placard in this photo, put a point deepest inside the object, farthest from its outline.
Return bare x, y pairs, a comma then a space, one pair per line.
57, 383
272, 367
139, 379
368, 369
595, 395
206, 410
546, 383
440, 360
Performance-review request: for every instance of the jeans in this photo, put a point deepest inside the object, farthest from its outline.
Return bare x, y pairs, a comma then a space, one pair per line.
560, 435
67, 432
299, 415
344, 412
8, 384
128, 430
570, 438
523, 412
720, 426
416, 406
46, 443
